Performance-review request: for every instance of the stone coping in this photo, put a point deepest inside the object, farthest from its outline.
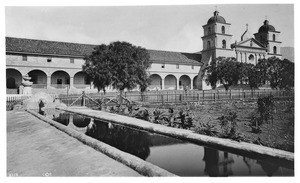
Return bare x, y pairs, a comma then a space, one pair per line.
242, 148
139, 165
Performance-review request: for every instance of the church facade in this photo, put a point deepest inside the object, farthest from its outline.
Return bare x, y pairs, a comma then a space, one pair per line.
56, 67
217, 43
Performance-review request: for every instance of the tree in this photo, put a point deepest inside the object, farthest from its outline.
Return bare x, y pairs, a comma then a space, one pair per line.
287, 75
119, 64
212, 74
223, 70
254, 77
228, 72
279, 73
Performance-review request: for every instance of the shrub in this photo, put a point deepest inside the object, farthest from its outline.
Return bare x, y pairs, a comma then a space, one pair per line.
10, 105
158, 116
184, 120
255, 122
206, 129
143, 114
169, 119
266, 107
228, 123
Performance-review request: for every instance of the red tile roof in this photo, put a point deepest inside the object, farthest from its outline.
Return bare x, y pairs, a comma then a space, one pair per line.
43, 47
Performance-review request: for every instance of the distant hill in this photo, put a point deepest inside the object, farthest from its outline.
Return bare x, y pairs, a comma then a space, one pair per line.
287, 53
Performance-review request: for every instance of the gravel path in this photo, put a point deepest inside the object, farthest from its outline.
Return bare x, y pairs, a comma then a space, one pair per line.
34, 148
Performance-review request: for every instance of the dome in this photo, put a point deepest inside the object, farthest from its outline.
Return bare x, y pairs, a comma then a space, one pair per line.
266, 27
216, 18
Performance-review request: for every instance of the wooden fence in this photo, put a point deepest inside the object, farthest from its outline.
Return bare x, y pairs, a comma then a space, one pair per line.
183, 97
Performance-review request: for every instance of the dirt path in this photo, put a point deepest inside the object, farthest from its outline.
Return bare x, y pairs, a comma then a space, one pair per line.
34, 148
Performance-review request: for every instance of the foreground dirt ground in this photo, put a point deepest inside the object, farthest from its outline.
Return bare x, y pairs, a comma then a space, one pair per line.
277, 134
34, 148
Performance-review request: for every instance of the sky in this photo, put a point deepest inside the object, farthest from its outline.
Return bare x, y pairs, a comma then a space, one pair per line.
171, 28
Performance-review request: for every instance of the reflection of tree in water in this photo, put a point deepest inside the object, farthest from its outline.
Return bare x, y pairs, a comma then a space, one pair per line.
268, 167
249, 162
80, 121
132, 141
211, 158
63, 118
213, 162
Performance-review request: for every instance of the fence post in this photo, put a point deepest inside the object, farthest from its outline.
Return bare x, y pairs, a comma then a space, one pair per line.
167, 96
230, 97
244, 94
214, 95
83, 99
202, 97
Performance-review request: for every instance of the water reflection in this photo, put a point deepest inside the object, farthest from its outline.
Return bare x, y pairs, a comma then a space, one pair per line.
176, 156
125, 139
268, 167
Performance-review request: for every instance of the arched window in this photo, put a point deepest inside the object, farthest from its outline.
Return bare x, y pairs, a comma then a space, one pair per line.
209, 30
274, 50
251, 58
274, 37
223, 44
208, 44
223, 30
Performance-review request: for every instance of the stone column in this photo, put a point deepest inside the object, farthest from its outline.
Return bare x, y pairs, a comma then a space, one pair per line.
71, 82
245, 57
177, 81
48, 81
236, 56
255, 59
192, 86
241, 57
162, 84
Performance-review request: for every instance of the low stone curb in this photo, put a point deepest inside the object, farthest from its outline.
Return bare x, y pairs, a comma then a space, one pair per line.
139, 165
226, 144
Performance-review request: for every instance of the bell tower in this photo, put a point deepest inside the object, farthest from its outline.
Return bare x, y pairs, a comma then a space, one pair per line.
270, 38
216, 43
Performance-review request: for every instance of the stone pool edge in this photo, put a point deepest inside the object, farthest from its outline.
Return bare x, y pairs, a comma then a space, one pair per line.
137, 164
183, 134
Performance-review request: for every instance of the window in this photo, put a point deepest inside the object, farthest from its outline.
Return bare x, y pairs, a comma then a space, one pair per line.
177, 66
162, 65
251, 43
208, 44
49, 59
274, 50
24, 57
223, 30
192, 66
224, 44
209, 30
251, 58
274, 37
72, 60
